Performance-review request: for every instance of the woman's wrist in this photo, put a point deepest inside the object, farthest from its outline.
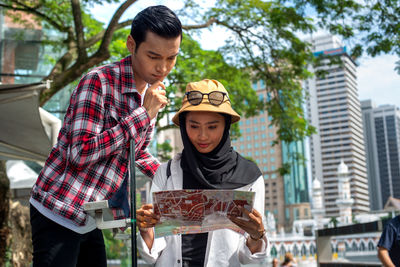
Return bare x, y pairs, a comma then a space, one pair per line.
144, 231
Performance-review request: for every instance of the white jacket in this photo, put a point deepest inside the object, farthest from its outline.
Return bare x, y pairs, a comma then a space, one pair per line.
224, 247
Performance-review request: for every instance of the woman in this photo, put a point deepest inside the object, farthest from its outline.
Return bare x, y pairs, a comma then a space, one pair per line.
207, 162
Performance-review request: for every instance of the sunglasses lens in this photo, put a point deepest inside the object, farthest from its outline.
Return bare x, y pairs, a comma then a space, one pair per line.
216, 98
195, 98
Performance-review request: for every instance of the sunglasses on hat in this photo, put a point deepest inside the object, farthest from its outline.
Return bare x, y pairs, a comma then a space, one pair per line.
215, 98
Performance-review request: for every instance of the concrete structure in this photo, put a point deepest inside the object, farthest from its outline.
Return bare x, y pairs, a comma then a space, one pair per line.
317, 210
344, 201
382, 139
333, 108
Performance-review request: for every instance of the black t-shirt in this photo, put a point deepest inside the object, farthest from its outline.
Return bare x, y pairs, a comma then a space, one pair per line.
390, 239
194, 249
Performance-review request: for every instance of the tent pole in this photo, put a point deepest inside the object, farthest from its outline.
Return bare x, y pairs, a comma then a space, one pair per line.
133, 202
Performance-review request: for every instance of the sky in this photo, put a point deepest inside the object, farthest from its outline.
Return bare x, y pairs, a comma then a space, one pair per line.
376, 77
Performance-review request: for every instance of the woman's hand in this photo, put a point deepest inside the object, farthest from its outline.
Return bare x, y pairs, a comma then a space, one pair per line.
253, 226
145, 220
145, 217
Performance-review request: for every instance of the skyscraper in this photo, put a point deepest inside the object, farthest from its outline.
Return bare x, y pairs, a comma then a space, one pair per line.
334, 109
286, 197
382, 138
297, 200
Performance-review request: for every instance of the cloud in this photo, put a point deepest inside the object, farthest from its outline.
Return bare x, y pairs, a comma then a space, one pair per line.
377, 80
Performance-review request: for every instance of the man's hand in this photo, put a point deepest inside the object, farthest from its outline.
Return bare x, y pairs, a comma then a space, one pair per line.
155, 99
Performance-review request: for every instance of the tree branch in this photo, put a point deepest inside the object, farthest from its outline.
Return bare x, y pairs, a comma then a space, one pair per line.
69, 75
200, 26
112, 26
94, 39
79, 32
34, 11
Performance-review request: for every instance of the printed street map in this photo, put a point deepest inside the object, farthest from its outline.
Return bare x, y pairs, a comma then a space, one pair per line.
197, 211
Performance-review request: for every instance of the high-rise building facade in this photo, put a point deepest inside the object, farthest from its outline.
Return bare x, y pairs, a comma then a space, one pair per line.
334, 109
297, 200
256, 142
382, 138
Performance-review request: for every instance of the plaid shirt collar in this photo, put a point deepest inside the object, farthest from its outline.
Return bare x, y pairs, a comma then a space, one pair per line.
128, 84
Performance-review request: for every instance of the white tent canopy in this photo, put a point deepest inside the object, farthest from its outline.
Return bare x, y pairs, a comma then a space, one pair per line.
20, 175
27, 132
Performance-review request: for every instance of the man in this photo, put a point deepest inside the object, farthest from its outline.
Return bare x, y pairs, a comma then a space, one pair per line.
111, 105
389, 243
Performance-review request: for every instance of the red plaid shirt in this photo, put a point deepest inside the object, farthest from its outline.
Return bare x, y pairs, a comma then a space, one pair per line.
91, 157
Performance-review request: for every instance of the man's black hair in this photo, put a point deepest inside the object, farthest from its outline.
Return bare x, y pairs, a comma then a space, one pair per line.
158, 19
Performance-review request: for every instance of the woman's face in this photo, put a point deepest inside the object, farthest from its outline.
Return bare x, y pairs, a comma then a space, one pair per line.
205, 129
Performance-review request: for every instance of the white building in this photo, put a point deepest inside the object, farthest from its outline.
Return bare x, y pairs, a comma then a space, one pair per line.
334, 109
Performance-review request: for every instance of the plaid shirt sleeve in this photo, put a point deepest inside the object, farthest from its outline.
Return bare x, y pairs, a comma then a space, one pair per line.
90, 142
147, 164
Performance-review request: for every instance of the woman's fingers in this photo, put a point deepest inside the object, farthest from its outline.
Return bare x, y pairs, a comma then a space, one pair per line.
253, 225
145, 216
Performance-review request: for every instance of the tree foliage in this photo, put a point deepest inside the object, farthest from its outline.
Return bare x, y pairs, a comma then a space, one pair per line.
264, 44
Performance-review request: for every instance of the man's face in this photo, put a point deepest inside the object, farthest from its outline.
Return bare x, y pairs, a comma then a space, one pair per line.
154, 58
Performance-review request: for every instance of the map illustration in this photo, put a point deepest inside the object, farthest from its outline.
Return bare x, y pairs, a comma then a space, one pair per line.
196, 211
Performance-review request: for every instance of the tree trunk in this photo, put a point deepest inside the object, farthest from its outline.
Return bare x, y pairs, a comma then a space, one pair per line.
4, 212
21, 241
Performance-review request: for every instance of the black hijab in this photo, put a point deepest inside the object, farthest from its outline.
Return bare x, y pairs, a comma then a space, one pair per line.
222, 168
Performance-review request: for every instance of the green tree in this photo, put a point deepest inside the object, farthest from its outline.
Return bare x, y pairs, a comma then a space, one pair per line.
334, 221
264, 39
163, 151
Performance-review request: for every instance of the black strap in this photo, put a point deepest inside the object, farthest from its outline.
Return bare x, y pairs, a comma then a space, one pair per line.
169, 168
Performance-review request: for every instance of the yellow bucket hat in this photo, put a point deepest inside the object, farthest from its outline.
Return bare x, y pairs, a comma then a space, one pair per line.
205, 87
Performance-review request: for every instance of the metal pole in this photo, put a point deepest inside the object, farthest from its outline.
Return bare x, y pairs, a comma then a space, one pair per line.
133, 202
